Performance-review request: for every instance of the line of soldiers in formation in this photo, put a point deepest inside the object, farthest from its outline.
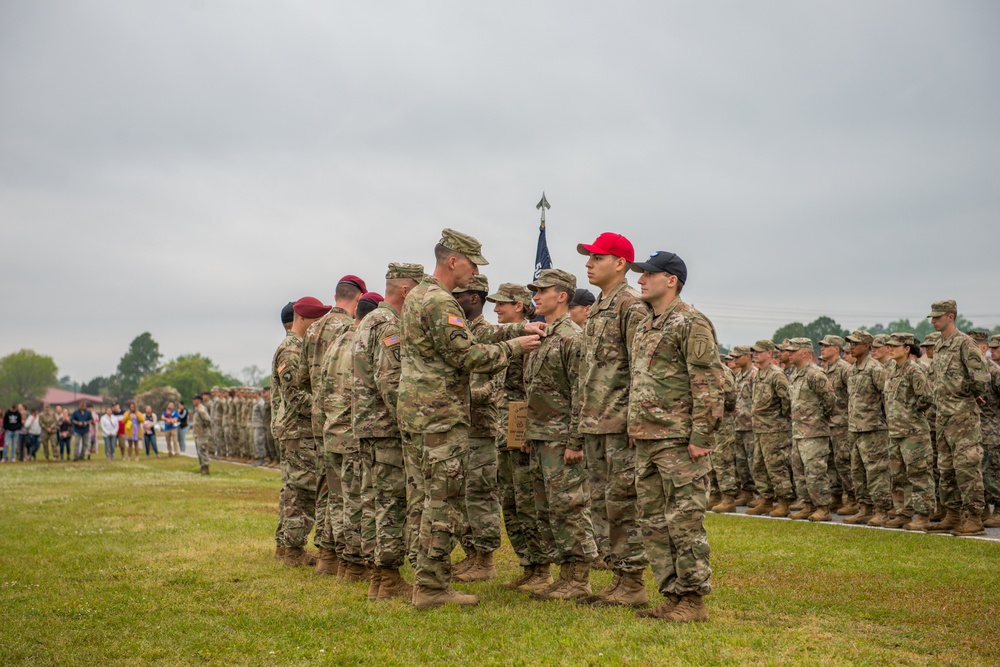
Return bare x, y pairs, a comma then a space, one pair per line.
391, 420
241, 424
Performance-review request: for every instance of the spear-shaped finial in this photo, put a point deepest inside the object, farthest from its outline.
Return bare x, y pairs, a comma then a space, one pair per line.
542, 205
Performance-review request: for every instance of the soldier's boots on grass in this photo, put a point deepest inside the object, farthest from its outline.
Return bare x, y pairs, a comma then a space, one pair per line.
836, 503
661, 610
804, 512
573, 583
879, 519
482, 569
527, 572
203, 471
798, 505
327, 562
849, 508
940, 514
279, 552
298, 557
616, 581
727, 505
899, 520
630, 592
690, 608
461, 566
993, 520
352, 572
781, 509
757, 502
950, 522
862, 516
745, 498
971, 524
429, 598
541, 578
374, 584
763, 507
392, 585
600, 564
822, 513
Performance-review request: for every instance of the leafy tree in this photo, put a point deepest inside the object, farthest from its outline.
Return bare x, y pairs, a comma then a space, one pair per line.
815, 330
95, 386
188, 373
24, 377
790, 330
142, 359
157, 399
253, 375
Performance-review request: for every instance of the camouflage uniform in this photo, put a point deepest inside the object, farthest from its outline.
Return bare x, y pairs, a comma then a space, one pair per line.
961, 375
277, 415
433, 406
724, 454
742, 414
930, 341
836, 374
294, 434
202, 427
676, 398
991, 430
604, 386
907, 397
218, 442
771, 412
259, 423
812, 404
867, 429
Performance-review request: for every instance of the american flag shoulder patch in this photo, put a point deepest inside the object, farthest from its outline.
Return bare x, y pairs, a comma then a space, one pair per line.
281, 368
456, 321
389, 341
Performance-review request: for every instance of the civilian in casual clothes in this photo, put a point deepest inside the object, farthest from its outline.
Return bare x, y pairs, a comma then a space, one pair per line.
149, 431
182, 426
12, 425
34, 431
119, 414
169, 418
94, 428
64, 429
82, 420
133, 431
109, 430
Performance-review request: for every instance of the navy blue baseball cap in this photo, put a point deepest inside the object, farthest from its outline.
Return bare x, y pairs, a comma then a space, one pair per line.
662, 261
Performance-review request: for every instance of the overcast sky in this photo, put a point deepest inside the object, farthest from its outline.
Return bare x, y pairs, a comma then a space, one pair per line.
186, 168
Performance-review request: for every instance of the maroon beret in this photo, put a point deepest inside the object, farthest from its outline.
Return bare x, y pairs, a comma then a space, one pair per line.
310, 308
374, 297
354, 280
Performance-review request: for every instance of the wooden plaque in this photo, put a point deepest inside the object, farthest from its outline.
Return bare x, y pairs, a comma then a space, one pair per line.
517, 422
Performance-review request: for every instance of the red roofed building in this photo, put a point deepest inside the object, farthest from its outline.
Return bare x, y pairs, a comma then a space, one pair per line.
55, 396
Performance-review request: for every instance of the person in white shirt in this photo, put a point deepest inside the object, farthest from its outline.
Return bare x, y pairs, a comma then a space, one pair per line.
34, 430
109, 429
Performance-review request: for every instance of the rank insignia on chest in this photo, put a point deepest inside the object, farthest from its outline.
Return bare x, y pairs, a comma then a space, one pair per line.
389, 341
456, 321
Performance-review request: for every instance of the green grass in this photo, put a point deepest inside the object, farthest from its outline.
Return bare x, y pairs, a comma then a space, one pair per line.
150, 564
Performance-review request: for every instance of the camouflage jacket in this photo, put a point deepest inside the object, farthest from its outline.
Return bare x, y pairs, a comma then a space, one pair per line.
337, 384
47, 420
295, 422
437, 357
314, 344
960, 375
744, 399
836, 373
604, 371
772, 405
376, 374
277, 405
813, 401
677, 388
202, 425
991, 411
485, 390
907, 397
216, 410
865, 384
728, 423
257, 414
551, 380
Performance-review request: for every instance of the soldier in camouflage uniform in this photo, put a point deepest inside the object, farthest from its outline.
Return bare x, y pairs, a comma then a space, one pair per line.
218, 441
991, 437
229, 423
314, 344
867, 432
202, 426
481, 532
927, 346
771, 414
960, 378
724, 455
746, 374
675, 406
840, 463
792, 452
604, 378
438, 355
907, 397
559, 475
294, 434
376, 354
513, 304
813, 402
259, 423
276, 418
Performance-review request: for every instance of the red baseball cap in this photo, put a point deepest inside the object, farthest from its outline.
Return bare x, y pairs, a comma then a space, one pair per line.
374, 297
354, 280
609, 243
311, 308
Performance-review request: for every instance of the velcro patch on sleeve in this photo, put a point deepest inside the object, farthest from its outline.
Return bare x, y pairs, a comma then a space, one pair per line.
456, 321
281, 368
389, 341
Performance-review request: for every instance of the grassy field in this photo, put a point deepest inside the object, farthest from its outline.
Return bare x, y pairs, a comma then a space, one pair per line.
150, 564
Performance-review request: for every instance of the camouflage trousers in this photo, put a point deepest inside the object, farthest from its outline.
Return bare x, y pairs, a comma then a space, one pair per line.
279, 533
389, 486
724, 461
201, 446
332, 537
445, 456
910, 467
991, 460
673, 497
743, 453
960, 461
217, 442
300, 491
870, 468
771, 471
798, 470
517, 500
840, 462
562, 503
413, 469
322, 495
815, 456
359, 507
609, 458
481, 531
259, 443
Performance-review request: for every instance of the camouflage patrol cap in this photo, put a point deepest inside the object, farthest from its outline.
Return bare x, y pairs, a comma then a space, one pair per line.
939, 308
783, 346
728, 356
860, 336
464, 244
401, 270
995, 340
511, 293
900, 339
799, 344
931, 339
479, 283
832, 341
978, 335
764, 346
740, 350
881, 340
554, 278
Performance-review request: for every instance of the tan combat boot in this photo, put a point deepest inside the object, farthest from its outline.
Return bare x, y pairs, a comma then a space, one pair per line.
714, 499
661, 610
879, 519
482, 569
616, 580
745, 498
861, 518
577, 583
428, 598
297, 557
327, 562
971, 524
727, 505
600, 564
461, 566
849, 508
631, 592
950, 521
527, 572
392, 585
757, 502
279, 552
920, 522
898, 521
836, 502
761, 508
353, 572
780, 510
994, 519
822, 513
939, 514
799, 504
552, 591
690, 608
541, 578
374, 584
804, 513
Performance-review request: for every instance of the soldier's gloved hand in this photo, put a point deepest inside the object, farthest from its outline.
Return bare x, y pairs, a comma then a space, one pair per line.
528, 343
537, 328
571, 456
